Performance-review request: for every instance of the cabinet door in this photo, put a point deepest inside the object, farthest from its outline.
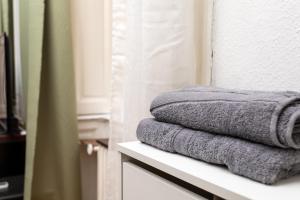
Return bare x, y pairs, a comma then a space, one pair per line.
92, 52
139, 183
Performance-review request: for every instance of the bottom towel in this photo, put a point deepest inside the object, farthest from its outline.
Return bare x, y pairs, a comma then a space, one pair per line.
256, 161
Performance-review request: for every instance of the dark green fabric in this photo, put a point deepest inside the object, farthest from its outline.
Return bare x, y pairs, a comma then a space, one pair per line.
31, 30
52, 162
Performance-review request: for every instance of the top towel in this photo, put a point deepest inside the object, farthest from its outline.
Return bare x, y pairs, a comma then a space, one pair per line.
271, 118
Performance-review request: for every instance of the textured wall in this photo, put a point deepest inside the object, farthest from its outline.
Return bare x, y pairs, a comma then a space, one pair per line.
257, 44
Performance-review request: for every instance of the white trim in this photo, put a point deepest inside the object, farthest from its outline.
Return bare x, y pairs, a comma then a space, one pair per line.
203, 13
20, 108
102, 116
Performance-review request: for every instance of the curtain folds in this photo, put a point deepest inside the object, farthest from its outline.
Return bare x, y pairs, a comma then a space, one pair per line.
5, 16
153, 51
52, 154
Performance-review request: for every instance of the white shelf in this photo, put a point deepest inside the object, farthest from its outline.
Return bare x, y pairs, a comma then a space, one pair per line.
214, 179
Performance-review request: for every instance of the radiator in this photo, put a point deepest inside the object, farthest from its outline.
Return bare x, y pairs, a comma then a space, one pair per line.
101, 168
93, 156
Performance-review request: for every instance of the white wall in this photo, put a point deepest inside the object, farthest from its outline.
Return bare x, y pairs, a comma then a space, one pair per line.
257, 44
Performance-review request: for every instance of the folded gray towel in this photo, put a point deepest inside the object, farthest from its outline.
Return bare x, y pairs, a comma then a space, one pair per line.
259, 162
271, 118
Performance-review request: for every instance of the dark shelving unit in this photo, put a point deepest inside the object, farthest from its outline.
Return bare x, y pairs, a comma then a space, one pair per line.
12, 165
12, 142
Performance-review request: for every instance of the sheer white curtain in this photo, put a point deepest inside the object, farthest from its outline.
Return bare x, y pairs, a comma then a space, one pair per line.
153, 51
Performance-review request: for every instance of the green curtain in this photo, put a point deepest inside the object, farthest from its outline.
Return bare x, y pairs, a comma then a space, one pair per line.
31, 37
52, 154
5, 16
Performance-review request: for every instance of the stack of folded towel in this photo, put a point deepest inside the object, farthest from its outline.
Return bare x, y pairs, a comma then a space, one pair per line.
255, 134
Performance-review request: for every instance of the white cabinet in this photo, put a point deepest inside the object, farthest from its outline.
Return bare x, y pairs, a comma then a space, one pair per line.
139, 183
214, 179
91, 24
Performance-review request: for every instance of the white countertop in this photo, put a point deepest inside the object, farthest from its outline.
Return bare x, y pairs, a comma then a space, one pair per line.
214, 179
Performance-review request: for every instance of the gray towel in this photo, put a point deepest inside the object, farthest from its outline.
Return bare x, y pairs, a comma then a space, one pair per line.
271, 118
259, 162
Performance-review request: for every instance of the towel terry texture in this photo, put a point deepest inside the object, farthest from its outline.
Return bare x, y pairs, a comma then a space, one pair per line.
271, 118
259, 162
